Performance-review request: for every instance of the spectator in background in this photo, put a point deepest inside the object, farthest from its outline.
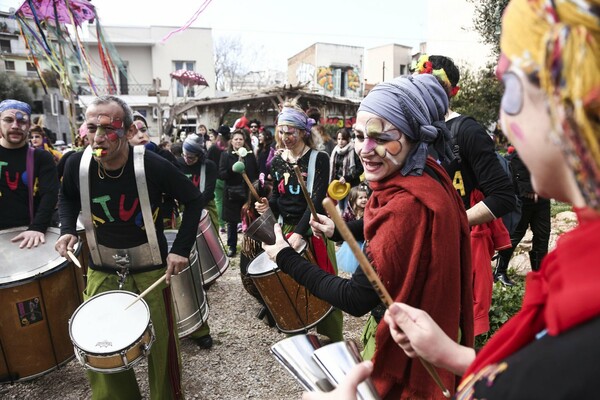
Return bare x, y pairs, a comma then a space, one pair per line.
322, 139
254, 131
214, 154
345, 163
40, 141
265, 151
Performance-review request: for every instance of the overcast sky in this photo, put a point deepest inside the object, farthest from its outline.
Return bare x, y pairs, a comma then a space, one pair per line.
278, 28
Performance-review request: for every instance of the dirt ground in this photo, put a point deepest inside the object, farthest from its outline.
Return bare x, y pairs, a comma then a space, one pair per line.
238, 366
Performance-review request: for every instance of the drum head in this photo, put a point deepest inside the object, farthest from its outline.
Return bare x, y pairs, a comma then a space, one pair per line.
262, 265
101, 325
17, 264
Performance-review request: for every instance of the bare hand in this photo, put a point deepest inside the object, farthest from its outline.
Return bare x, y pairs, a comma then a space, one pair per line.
280, 243
262, 206
347, 390
29, 239
342, 180
175, 264
65, 243
323, 228
296, 241
418, 335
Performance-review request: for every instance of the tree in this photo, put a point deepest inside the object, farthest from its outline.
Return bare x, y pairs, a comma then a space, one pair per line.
487, 21
479, 95
13, 87
228, 62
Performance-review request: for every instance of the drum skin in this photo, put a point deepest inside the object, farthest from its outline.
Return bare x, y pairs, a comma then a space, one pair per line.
293, 307
36, 308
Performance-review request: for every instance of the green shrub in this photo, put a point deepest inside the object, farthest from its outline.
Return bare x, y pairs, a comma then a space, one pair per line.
558, 207
506, 301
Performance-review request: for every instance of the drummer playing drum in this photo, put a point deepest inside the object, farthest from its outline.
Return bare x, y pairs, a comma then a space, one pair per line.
119, 189
24, 202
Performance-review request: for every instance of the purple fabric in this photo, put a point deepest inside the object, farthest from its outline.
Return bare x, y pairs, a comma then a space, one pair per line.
293, 117
11, 104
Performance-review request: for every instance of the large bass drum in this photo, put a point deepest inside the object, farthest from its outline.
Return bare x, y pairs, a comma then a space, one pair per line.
213, 260
39, 291
189, 297
293, 307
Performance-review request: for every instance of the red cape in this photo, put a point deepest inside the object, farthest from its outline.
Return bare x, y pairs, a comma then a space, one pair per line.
418, 241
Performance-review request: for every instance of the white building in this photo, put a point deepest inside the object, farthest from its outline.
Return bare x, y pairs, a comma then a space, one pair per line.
145, 59
387, 62
332, 69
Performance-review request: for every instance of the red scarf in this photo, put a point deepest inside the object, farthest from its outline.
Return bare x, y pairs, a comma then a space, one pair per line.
564, 293
419, 243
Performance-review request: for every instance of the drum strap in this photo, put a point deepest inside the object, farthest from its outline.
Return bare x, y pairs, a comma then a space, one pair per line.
142, 187
30, 178
86, 205
310, 178
202, 178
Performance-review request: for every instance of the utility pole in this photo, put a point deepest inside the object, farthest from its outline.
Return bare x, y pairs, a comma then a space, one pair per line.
157, 92
383, 72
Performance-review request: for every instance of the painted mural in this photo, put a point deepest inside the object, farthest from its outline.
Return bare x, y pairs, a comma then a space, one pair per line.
325, 78
329, 79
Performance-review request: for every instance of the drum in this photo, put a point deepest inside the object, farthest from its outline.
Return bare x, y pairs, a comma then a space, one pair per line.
189, 297
39, 290
213, 260
293, 307
108, 338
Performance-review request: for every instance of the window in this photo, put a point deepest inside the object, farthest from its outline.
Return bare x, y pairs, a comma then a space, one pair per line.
9, 65
75, 70
189, 65
402, 69
5, 46
54, 103
31, 67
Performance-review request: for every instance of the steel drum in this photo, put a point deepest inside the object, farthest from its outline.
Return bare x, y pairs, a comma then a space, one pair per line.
213, 259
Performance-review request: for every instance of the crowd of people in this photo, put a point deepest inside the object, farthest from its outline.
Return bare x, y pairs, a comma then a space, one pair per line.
426, 196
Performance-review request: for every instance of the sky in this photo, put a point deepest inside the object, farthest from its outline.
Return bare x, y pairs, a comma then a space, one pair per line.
277, 29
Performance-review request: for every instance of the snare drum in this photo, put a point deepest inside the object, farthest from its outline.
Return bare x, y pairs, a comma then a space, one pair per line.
213, 260
293, 307
189, 297
106, 337
39, 290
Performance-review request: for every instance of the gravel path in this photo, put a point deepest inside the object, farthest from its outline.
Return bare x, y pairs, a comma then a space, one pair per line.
238, 366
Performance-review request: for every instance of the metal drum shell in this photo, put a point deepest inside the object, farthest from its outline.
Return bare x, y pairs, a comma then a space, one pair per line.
293, 307
37, 301
213, 260
189, 297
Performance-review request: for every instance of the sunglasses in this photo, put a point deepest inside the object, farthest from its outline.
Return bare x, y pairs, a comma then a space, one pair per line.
253, 126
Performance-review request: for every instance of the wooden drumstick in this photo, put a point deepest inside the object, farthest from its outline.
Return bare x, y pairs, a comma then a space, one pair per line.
73, 258
145, 292
373, 278
309, 201
240, 168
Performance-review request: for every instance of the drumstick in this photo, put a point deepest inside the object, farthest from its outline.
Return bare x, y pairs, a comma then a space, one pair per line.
73, 258
367, 268
240, 168
309, 201
145, 292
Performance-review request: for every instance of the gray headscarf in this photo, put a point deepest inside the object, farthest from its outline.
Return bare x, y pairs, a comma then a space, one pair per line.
415, 105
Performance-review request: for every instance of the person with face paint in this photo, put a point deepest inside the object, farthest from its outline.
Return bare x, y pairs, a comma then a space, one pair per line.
287, 200
550, 66
24, 202
122, 256
483, 185
415, 229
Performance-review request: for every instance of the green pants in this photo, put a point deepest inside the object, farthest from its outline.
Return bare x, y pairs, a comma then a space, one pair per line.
164, 361
204, 330
219, 201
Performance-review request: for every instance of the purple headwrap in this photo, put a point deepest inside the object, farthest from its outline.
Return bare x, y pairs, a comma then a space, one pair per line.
11, 104
296, 118
415, 105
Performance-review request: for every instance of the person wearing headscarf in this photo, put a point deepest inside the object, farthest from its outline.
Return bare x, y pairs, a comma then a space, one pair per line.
415, 228
288, 201
203, 173
550, 66
28, 193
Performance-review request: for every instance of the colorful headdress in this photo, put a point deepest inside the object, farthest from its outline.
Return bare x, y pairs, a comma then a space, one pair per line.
11, 104
296, 118
425, 66
559, 42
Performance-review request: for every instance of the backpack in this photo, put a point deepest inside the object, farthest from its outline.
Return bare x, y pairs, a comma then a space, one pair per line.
511, 219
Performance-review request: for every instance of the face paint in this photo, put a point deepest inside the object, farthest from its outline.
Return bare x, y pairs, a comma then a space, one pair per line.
382, 142
512, 100
517, 131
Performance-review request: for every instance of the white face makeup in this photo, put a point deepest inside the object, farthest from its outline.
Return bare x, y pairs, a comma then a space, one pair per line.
14, 125
141, 136
290, 136
381, 147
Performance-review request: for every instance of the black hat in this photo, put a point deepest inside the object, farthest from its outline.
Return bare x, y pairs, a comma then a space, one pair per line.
224, 131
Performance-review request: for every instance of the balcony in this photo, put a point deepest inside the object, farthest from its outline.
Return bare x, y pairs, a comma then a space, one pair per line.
138, 89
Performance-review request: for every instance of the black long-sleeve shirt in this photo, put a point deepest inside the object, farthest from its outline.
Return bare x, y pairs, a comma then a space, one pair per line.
210, 177
14, 193
480, 168
115, 203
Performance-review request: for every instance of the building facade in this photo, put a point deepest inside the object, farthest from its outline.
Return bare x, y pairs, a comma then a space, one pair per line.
387, 62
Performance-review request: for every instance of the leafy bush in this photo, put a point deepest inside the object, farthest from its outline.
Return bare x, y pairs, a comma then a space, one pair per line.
506, 302
557, 207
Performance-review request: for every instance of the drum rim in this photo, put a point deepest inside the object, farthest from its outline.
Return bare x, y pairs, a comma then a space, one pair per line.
79, 347
58, 263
